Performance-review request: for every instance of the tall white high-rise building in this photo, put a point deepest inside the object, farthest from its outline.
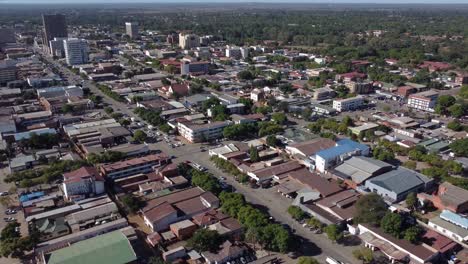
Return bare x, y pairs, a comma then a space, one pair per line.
188, 41
76, 51
131, 28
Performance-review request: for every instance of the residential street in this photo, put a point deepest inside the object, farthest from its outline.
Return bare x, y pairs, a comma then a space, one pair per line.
317, 245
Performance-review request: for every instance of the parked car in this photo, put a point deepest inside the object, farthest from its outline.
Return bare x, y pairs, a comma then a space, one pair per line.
9, 219
4, 193
10, 211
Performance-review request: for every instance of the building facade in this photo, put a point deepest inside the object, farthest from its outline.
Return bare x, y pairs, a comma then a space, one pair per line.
55, 26
131, 28
347, 104
7, 71
188, 41
204, 132
425, 101
76, 51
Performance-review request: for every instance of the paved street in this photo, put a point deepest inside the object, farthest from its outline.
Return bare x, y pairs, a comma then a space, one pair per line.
275, 204
271, 201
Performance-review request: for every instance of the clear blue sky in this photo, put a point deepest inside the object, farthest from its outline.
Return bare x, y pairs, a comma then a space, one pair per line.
237, 1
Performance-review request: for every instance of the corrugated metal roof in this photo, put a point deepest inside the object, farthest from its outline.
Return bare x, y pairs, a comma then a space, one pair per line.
454, 218
110, 248
400, 180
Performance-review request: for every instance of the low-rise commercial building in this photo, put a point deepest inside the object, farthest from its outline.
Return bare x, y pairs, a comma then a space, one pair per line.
353, 103
134, 166
201, 132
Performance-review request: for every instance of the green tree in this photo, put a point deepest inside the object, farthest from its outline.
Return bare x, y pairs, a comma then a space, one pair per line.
413, 234
455, 125
364, 254
370, 208
205, 240
307, 260
254, 157
245, 75
279, 118
460, 147
132, 203
334, 233
464, 92
314, 223
392, 223
67, 108
411, 200
272, 141
205, 181
410, 164
296, 212
443, 103
140, 136
109, 110
457, 110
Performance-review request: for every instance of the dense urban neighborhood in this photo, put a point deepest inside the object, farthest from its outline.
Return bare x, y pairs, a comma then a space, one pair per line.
222, 135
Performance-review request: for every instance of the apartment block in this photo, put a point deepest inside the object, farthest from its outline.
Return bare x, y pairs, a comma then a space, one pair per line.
424, 101
201, 132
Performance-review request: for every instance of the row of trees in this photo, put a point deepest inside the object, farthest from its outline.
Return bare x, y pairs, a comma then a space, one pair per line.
248, 130
371, 209
228, 167
108, 91
106, 157
42, 141
12, 244
258, 229
50, 174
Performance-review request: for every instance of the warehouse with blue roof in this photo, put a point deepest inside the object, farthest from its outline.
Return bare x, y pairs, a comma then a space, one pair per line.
344, 149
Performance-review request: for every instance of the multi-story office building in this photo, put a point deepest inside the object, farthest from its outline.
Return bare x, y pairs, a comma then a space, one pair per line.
425, 101
347, 104
233, 52
188, 41
131, 28
199, 67
56, 47
7, 71
55, 26
76, 51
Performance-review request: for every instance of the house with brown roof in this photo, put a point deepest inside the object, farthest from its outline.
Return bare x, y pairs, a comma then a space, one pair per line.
222, 223
448, 197
275, 172
228, 251
396, 249
309, 148
164, 210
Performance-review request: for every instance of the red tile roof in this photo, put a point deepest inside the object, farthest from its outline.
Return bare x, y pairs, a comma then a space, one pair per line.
81, 173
